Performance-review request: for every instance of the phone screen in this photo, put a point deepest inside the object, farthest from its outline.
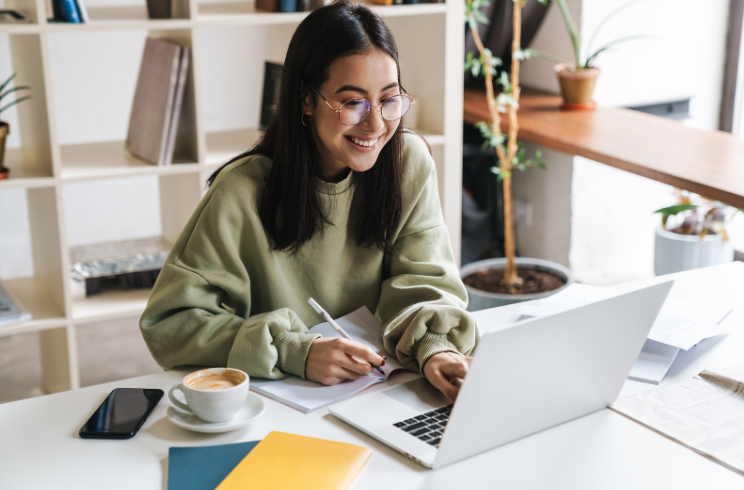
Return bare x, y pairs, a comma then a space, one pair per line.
122, 414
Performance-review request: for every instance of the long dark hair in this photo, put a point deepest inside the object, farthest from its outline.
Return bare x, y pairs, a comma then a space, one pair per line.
289, 206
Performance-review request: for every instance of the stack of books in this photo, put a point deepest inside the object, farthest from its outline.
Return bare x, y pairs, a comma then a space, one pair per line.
156, 110
72, 11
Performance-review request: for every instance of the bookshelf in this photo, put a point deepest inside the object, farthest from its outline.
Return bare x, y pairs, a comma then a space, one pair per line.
430, 42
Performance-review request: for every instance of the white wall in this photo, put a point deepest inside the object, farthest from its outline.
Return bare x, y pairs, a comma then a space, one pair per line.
612, 220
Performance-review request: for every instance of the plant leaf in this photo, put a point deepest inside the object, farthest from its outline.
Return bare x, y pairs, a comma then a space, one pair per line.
612, 43
6, 82
676, 209
3, 94
14, 103
607, 18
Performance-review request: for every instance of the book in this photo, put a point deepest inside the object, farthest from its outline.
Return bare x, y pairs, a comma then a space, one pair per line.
180, 9
154, 99
11, 311
272, 85
58, 13
306, 395
70, 11
289, 461
204, 467
84, 17
267, 5
183, 72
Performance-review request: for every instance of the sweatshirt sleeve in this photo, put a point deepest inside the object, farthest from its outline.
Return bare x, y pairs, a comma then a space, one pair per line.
186, 323
422, 302
199, 312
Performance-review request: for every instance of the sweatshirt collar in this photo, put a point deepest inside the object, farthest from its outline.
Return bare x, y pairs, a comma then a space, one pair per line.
337, 187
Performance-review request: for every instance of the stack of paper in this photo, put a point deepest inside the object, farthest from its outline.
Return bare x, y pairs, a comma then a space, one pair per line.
680, 325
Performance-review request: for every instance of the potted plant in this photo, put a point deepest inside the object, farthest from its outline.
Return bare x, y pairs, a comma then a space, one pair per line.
695, 237
577, 78
496, 282
5, 127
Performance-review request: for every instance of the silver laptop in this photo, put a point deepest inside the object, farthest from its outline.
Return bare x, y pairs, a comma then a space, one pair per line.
525, 377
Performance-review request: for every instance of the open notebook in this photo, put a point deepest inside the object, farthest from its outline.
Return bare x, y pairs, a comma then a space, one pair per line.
306, 395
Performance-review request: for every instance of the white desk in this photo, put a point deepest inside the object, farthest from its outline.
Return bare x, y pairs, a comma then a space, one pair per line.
39, 446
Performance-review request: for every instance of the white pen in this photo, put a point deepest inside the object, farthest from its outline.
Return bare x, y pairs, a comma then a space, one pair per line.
336, 326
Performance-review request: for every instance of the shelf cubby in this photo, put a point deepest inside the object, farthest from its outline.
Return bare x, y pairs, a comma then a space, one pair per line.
42, 293
109, 158
179, 195
29, 121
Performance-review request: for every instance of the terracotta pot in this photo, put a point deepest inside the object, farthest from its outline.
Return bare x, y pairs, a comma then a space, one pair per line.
577, 86
4, 130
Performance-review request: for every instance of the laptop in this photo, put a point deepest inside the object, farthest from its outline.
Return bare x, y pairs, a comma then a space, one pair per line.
525, 377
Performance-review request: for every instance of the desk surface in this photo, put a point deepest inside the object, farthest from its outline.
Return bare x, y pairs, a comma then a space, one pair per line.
710, 163
39, 446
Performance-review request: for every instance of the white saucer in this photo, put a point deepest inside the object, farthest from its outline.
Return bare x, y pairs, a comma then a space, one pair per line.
253, 408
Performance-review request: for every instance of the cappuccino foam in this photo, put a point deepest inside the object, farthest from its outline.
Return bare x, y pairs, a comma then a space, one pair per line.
212, 383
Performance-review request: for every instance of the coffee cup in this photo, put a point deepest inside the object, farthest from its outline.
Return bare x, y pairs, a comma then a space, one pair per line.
213, 395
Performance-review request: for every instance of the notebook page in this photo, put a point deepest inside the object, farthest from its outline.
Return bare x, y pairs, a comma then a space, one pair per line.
306, 395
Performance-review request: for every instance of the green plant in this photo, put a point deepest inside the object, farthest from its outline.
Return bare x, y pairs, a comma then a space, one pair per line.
4, 92
701, 218
510, 152
587, 60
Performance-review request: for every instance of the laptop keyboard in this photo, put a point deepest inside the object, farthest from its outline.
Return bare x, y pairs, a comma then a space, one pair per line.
428, 426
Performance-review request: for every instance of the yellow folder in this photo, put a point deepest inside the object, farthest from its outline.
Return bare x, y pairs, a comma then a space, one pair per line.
288, 461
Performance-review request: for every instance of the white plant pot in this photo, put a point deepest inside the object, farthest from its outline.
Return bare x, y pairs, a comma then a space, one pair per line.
481, 300
675, 253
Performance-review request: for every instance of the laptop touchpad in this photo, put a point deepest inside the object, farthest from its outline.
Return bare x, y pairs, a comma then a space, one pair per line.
419, 395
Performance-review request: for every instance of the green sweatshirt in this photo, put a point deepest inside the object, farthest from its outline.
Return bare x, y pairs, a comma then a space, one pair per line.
225, 298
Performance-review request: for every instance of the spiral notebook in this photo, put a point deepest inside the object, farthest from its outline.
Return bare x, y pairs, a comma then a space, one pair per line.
306, 395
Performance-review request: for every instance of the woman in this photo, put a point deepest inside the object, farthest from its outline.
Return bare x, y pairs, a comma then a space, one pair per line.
334, 203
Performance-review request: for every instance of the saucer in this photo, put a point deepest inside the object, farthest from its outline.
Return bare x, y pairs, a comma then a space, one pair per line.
253, 408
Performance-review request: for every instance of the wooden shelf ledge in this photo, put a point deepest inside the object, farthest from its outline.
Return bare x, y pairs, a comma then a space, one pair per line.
710, 163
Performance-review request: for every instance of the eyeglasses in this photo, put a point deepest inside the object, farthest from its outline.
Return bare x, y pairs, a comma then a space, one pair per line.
355, 111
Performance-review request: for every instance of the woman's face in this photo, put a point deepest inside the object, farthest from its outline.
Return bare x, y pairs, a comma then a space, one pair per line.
372, 76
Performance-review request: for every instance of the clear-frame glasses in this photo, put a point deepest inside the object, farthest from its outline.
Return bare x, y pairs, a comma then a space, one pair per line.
356, 110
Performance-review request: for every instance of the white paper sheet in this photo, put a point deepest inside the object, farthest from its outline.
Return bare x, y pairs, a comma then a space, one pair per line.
306, 395
653, 362
684, 324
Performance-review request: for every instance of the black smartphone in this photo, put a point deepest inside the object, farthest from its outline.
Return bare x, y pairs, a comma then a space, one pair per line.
121, 414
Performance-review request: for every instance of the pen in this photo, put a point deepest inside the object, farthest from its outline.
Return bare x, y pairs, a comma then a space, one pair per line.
336, 326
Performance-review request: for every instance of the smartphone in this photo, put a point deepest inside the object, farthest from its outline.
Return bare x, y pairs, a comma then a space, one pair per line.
121, 414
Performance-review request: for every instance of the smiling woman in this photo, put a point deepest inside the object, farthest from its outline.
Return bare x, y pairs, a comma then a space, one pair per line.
334, 202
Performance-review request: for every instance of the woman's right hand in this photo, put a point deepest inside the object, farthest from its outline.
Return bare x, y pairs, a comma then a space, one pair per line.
333, 360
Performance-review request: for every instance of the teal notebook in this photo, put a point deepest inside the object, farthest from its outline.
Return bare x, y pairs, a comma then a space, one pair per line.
204, 467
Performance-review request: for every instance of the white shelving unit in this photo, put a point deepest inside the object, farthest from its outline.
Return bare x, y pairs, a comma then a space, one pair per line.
431, 47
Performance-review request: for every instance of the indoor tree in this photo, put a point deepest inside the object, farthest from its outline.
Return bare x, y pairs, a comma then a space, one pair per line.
511, 154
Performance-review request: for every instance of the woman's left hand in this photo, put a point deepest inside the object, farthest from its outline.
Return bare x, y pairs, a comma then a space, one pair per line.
441, 369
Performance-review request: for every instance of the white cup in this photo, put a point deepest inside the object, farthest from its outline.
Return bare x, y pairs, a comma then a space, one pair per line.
211, 405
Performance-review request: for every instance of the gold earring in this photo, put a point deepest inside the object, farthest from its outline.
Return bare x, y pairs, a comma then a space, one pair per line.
303, 119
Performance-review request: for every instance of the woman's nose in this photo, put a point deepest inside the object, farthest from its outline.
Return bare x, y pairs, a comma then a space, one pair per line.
374, 121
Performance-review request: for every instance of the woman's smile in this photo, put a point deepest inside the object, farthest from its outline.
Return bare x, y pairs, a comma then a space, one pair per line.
365, 143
